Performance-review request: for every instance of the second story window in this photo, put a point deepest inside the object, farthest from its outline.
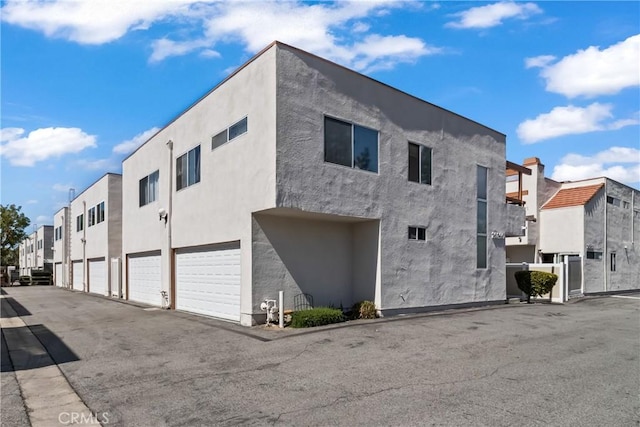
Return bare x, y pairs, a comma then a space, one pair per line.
233, 131
99, 212
80, 222
188, 168
419, 163
481, 217
91, 217
350, 145
148, 188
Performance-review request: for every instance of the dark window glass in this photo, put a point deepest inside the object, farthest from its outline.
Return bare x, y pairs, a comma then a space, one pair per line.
219, 139
414, 162
422, 233
194, 166
413, 233
482, 182
142, 188
238, 129
153, 186
613, 261
482, 252
425, 165
337, 142
181, 172
482, 217
365, 149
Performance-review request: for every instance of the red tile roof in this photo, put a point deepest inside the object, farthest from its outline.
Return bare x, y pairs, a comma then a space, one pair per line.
577, 196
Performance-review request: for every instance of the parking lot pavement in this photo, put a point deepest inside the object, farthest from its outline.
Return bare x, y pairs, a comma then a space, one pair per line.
538, 364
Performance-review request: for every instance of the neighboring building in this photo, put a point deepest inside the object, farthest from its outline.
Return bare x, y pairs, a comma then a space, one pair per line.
300, 175
96, 234
61, 248
596, 220
36, 251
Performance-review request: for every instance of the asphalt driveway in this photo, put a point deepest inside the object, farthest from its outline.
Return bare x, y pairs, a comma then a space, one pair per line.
576, 364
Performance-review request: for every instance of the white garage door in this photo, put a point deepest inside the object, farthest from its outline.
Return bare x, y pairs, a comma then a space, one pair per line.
145, 279
78, 284
58, 278
98, 277
208, 282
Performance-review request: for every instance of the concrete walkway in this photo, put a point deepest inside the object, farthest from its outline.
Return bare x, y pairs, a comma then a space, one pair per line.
47, 395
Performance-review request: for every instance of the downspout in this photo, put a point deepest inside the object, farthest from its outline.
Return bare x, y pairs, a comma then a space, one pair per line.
85, 221
633, 205
605, 254
169, 222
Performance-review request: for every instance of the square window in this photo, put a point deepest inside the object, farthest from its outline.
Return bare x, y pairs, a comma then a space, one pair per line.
219, 139
417, 233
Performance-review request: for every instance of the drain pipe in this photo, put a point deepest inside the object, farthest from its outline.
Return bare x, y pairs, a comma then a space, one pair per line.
281, 309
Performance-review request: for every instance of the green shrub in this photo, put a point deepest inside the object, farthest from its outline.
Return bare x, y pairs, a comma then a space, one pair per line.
535, 283
364, 310
316, 317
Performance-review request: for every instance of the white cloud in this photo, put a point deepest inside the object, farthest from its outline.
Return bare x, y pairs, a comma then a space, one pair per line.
618, 163
42, 144
539, 61
8, 134
32, 202
570, 120
332, 30
90, 21
130, 145
43, 219
592, 72
493, 14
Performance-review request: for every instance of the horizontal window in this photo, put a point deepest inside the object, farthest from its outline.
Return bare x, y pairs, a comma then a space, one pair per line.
419, 163
594, 255
233, 131
613, 201
188, 168
148, 188
350, 145
417, 233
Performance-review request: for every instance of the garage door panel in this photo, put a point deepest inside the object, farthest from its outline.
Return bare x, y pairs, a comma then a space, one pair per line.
98, 277
208, 282
78, 273
145, 282
58, 277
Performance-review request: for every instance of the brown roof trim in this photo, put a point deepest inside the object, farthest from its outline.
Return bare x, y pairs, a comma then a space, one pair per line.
514, 194
516, 167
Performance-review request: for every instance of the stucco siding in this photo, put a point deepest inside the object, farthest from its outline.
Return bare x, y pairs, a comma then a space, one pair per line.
439, 271
562, 230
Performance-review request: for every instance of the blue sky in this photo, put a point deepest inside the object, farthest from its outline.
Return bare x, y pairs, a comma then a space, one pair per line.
84, 82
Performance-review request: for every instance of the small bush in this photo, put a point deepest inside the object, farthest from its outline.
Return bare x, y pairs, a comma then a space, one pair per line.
535, 283
316, 317
364, 310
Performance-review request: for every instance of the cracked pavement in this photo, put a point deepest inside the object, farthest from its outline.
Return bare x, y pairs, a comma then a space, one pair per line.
527, 365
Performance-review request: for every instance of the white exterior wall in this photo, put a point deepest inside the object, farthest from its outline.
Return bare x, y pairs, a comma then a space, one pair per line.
562, 230
413, 274
236, 179
102, 240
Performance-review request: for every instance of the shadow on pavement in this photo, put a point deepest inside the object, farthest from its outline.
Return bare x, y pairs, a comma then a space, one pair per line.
17, 307
33, 347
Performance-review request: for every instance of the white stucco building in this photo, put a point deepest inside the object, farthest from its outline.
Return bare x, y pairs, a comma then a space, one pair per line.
61, 236
300, 175
95, 237
594, 221
36, 251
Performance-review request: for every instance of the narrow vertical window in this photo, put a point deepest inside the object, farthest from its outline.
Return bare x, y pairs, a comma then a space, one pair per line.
188, 168
481, 235
613, 261
419, 163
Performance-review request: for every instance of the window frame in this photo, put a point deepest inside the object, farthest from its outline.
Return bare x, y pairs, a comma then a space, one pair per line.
612, 262
482, 199
91, 216
185, 174
421, 148
418, 231
353, 143
595, 255
146, 181
80, 222
227, 133
100, 212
